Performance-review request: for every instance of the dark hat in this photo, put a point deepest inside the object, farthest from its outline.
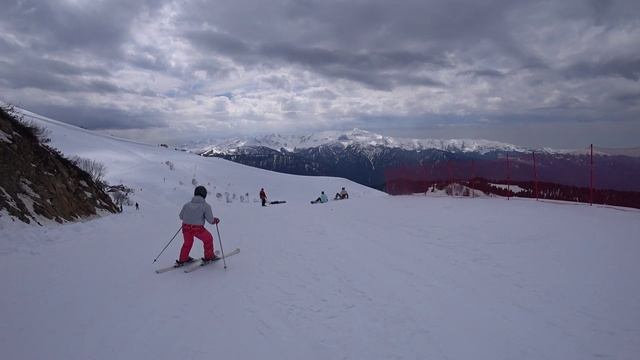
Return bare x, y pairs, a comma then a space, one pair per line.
200, 191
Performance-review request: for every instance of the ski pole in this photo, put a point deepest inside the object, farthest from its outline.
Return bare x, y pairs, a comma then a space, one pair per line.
221, 250
166, 246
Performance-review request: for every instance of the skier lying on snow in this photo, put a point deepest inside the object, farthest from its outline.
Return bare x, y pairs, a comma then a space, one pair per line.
193, 215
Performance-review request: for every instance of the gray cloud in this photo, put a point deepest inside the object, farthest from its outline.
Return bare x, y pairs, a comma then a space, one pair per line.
366, 68
490, 73
628, 68
218, 42
374, 60
55, 76
149, 58
630, 98
105, 118
247, 64
100, 27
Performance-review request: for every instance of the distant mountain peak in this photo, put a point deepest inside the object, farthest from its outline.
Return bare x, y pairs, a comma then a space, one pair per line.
354, 136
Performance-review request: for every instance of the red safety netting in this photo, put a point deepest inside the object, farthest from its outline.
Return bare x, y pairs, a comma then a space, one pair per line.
592, 175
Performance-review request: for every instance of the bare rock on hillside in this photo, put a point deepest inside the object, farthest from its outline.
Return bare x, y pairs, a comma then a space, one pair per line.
38, 182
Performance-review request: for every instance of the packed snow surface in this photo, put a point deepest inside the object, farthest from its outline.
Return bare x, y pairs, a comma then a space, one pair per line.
372, 277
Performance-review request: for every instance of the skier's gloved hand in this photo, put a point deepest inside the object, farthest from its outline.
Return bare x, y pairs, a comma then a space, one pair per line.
216, 220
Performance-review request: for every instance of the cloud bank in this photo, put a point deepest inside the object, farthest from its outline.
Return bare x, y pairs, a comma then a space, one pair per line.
182, 69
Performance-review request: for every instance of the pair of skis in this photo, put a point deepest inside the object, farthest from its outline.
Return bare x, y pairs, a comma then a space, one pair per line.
198, 264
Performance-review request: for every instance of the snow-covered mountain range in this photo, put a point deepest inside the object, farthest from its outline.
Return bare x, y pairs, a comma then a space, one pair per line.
359, 137
365, 139
363, 157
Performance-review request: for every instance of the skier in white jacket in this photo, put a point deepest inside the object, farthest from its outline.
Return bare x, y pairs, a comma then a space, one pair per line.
322, 199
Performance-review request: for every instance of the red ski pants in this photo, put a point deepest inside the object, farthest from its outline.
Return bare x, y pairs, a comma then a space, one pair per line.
199, 231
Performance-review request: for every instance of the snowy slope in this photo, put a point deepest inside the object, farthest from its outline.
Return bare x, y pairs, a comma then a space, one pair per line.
372, 277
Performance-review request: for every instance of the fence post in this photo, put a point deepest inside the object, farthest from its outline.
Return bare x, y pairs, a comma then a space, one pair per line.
591, 180
386, 180
473, 173
508, 179
535, 174
425, 182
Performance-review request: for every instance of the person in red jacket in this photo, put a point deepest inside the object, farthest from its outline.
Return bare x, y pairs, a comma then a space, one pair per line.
263, 197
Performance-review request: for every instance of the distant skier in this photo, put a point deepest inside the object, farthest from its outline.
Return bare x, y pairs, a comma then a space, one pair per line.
342, 195
193, 216
137, 207
263, 197
322, 199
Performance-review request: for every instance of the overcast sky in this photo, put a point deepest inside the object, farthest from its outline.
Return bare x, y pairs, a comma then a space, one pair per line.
534, 73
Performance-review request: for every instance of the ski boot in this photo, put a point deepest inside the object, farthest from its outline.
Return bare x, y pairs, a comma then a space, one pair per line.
212, 259
183, 263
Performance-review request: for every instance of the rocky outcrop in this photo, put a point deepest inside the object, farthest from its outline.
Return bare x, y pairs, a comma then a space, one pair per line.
37, 182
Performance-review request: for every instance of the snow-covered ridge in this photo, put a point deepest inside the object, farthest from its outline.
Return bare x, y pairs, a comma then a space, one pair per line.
353, 137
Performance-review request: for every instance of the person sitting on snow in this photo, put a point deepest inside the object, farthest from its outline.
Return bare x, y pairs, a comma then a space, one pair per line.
342, 195
193, 216
322, 199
